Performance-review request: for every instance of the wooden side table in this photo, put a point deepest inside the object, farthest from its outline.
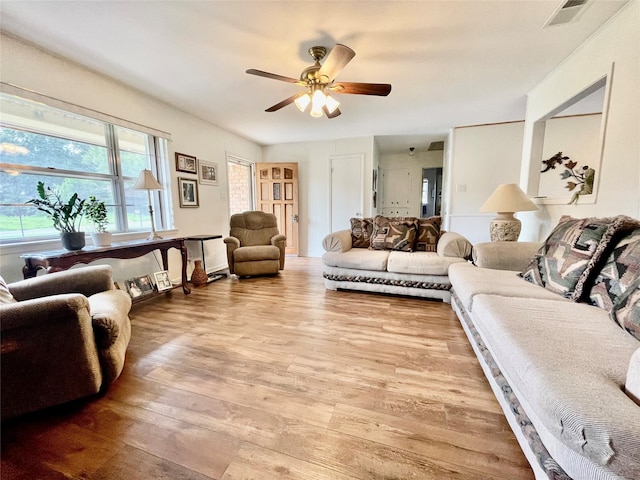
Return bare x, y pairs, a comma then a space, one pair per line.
199, 241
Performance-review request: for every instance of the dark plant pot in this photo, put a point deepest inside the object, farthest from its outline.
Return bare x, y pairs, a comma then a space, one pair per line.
72, 240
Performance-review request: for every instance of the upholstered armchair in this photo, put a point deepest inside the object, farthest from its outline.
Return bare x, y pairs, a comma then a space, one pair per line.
64, 336
254, 244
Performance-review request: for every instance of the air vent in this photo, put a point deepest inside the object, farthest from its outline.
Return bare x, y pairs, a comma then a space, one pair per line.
568, 12
435, 146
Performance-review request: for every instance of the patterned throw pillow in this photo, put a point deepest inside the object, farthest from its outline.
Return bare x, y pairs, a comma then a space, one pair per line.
617, 286
428, 234
361, 230
394, 233
575, 246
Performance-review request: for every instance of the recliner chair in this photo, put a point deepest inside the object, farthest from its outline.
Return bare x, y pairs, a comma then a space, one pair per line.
254, 245
64, 336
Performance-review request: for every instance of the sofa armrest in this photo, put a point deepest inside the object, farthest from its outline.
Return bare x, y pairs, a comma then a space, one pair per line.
280, 241
339, 241
86, 280
232, 243
452, 244
505, 255
632, 383
109, 311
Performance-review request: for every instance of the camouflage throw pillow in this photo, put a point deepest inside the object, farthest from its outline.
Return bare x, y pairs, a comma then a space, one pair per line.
394, 233
361, 230
569, 255
626, 310
428, 234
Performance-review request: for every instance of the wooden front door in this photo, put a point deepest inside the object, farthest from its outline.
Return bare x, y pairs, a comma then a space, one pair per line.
277, 193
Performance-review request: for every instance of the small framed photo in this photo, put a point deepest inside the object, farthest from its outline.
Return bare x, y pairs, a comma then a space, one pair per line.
188, 191
208, 172
139, 286
163, 282
186, 163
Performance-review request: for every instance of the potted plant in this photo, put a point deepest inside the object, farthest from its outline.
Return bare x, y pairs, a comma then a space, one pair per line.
96, 211
66, 215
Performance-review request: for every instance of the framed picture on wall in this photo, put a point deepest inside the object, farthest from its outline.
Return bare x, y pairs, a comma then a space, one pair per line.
186, 163
188, 191
208, 172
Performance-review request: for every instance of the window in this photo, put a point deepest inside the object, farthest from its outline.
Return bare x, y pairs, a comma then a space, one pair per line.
240, 182
71, 152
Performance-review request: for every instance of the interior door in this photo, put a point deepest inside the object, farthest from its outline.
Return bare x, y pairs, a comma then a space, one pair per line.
346, 196
277, 193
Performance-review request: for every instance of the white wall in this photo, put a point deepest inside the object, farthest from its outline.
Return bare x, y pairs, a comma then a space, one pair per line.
481, 157
28, 67
616, 42
314, 182
415, 164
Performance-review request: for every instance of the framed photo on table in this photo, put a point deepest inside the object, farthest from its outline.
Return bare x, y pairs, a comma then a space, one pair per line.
188, 191
186, 163
208, 172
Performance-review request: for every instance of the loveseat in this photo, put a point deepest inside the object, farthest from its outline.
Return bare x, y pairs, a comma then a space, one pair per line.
64, 336
556, 328
397, 255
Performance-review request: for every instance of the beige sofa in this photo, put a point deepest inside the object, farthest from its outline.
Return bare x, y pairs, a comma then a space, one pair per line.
565, 373
387, 270
64, 336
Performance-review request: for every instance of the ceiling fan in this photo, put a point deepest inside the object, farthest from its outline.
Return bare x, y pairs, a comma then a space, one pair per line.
319, 81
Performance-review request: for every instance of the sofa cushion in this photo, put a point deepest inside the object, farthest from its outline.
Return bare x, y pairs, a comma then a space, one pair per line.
567, 363
420, 263
390, 233
358, 258
571, 252
256, 253
469, 281
428, 233
361, 230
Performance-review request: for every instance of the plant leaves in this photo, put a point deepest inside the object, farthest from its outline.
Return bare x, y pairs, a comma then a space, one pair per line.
566, 174
571, 186
571, 165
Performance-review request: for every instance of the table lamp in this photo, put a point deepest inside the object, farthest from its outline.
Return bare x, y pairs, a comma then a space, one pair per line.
146, 181
505, 200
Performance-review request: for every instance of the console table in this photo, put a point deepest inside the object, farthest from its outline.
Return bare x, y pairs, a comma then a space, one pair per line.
57, 260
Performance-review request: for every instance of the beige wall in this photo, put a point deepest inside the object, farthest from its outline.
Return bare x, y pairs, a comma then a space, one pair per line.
28, 67
617, 45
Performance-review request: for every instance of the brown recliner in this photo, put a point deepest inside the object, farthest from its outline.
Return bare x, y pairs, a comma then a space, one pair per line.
64, 336
254, 245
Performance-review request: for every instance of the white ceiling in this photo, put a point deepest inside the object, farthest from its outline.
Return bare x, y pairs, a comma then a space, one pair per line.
451, 63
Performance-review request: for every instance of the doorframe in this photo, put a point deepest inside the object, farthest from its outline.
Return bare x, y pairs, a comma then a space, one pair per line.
361, 158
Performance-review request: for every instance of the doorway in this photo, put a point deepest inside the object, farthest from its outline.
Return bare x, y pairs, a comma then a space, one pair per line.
431, 192
240, 184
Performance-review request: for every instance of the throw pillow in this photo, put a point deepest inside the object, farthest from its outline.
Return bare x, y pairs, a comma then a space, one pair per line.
571, 252
621, 270
5, 294
394, 233
626, 310
361, 230
428, 234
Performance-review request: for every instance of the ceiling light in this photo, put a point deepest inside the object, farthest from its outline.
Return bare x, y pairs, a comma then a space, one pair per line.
303, 102
317, 102
331, 103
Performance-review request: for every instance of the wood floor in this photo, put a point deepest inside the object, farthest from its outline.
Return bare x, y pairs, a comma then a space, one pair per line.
277, 377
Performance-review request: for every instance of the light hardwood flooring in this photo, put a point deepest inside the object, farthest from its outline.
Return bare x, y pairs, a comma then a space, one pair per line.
276, 377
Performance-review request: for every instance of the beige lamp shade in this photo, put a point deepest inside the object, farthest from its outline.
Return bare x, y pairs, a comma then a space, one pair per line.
146, 181
505, 200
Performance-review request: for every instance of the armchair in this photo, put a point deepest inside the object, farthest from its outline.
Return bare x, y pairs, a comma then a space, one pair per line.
63, 336
254, 244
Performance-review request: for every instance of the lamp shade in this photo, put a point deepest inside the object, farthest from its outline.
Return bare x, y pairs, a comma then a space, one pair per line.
146, 181
508, 197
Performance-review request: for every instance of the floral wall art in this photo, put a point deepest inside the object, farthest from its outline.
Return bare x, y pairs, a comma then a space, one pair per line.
578, 179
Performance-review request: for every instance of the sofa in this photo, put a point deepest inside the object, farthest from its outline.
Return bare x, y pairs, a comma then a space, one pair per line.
64, 336
556, 328
394, 255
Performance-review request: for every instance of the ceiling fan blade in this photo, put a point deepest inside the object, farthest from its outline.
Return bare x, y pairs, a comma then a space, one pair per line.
335, 62
260, 73
354, 88
285, 102
335, 113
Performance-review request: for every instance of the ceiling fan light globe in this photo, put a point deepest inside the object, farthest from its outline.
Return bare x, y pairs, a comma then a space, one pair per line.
331, 103
303, 102
317, 102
